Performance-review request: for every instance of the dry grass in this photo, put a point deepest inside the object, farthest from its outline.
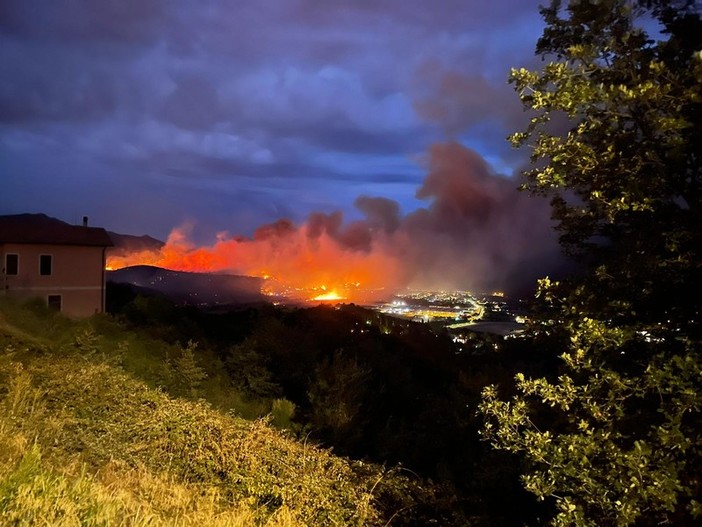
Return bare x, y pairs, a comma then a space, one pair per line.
82, 442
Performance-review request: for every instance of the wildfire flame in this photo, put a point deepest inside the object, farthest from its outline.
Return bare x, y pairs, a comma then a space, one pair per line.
292, 262
331, 296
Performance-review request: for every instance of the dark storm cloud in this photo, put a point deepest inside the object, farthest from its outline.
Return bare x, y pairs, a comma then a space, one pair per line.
77, 21
263, 109
52, 87
193, 104
455, 15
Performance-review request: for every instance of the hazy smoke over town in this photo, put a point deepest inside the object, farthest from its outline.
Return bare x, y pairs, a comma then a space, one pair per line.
476, 232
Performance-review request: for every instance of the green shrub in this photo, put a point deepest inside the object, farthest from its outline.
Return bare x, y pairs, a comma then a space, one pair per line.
188, 374
282, 412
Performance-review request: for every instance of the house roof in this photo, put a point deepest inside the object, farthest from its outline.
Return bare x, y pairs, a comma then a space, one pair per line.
42, 229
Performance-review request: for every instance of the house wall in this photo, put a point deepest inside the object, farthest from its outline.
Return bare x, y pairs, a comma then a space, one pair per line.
77, 275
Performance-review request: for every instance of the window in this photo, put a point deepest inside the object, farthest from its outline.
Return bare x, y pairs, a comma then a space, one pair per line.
12, 264
54, 302
45, 264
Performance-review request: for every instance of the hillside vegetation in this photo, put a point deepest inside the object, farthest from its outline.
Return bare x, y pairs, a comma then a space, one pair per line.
372, 387
100, 425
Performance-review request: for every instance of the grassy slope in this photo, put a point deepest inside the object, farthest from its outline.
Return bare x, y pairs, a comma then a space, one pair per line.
85, 442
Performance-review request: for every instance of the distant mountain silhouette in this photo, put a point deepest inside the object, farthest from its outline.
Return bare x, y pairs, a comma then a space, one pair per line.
127, 243
197, 289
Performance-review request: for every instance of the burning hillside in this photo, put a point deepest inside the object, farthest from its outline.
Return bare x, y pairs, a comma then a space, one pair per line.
477, 232
294, 262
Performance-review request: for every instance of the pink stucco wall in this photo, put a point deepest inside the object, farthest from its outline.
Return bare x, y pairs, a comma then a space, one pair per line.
77, 275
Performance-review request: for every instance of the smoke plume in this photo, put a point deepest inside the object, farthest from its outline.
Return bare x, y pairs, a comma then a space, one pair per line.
477, 232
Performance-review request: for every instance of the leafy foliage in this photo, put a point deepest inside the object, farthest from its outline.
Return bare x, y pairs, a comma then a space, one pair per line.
248, 370
616, 439
335, 395
282, 413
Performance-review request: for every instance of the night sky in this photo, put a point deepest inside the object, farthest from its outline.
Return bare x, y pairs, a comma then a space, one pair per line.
225, 116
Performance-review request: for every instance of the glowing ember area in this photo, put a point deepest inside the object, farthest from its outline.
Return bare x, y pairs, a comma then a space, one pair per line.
331, 296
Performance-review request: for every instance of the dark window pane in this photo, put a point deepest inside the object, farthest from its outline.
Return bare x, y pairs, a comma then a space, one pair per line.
12, 264
54, 302
45, 264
